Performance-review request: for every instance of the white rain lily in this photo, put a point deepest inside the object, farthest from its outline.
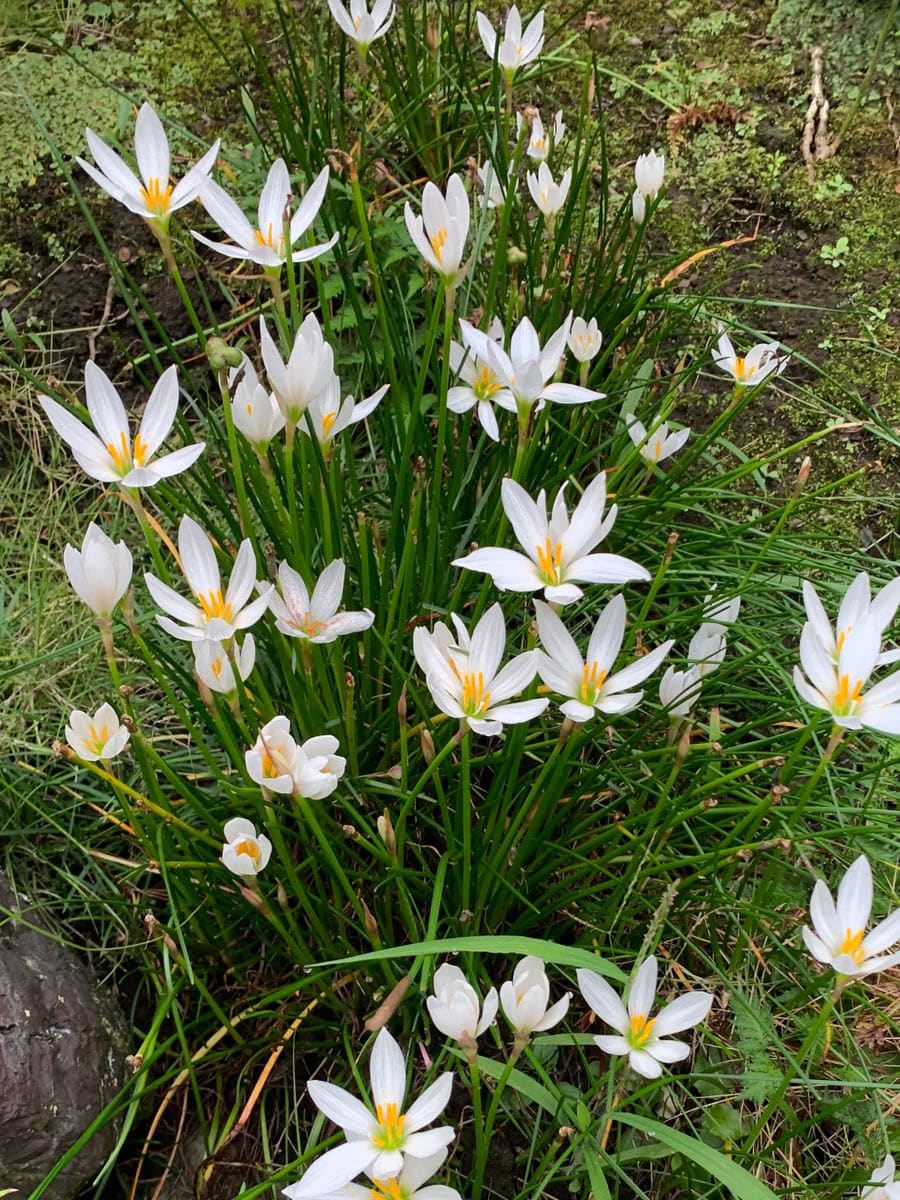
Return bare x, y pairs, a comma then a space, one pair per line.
720, 613
98, 737
525, 999
481, 386
518, 47
152, 196
328, 415
638, 207
245, 852
217, 615
643, 1038
838, 937
837, 687
109, 454
100, 572
659, 443
360, 24
540, 141
548, 195
277, 763
758, 364
472, 686
455, 1008
493, 187
648, 174
679, 690
265, 244
380, 1140
315, 618
588, 681
215, 667
707, 648
440, 233
527, 370
584, 339
405, 1186
254, 410
308, 372
857, 606
882, 1184
557, 552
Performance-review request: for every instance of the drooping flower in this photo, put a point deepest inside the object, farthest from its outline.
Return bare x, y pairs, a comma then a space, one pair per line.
557, 552
657, 445
109, 454
758, 364
277, 763
440, 233
720, 613
152, 196
98, 737
837, 687
857, 606
379, 1142
455, 1008
584, 339
707, 648
308, 372
474, 688
494, 189
648, 174
245, 853
215, 667
266, 244
588, 683
838, 937
643, 1038
254, 410
217, 615
315, 618
882, 1184
548, 195
525, 999
362, 26
100, 572
328, 415
679, 690
481, 386
518, 47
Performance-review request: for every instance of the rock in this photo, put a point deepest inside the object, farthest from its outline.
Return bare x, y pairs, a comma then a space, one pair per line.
63, 1044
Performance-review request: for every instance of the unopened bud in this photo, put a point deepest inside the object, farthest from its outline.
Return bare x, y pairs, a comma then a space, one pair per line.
401, 705
432, 39
63, 751
282, 897
349, 680
370, 922
221, 356
427, 743
802, 477
386, 833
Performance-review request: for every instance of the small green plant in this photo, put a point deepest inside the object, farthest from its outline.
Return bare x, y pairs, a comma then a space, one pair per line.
836, 255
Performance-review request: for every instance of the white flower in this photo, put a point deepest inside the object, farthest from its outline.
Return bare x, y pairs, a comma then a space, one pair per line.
837, 687
455, 1008
316, 618
584, 339
838, 937
111, 457
440, 233
215, 668
216, 615
380, 1142
707, 648
588, 682
648, 174
100, 571
254, 411
481, 386
857, 607
758, 364
327, 415
548, 195
473, 688
644, 1039
679, 690
657, 445
360, 24
720, 613
96, 737
881, 1185
405, 1186
539, 142
518, 48
244, 853
278, 764
557, 552
527, 370
308, 372
525, 999
265, 245
494, 189
152, 196
638, 207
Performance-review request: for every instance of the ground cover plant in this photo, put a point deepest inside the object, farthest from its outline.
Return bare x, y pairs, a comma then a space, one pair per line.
436, 718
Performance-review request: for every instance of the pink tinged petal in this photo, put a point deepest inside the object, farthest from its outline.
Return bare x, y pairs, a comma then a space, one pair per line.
669, 1051
160, 411
294, 591
884, 934
344, 1109
683, 1013
344, 623
606, 568
430, 1104
854, 898
643, 990
554, 1014
151, 146
824, 915
644, 1064
334, 1169
611, 1045
198, 559
604, 1001
509, 570
559, 643
387, 1071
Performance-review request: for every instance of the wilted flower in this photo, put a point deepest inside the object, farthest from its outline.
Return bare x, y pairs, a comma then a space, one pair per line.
455, 1008
648, 174
316, 618
643, 1038
360, 24
98, 737
584, 339
518, 48
152, 196
758, 364
440, 233
557, 552
525, 999
548, 195
215, 667
838, 937
278, 764
857, 607
837, 687
308, 372
679, 690
265, 245
494, 188
245, 853
328, 415
111, 457
100, 571
254, 410
657, 445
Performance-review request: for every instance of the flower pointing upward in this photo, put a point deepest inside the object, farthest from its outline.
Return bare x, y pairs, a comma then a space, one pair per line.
857, 606
440, 233
839, 937
315, 618
98, 737
518, 47
837, 687
362, 26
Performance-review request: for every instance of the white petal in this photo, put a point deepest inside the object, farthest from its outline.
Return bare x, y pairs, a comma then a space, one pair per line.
339, 1106
605, 1002
683, 1013
387, 1071
643, 989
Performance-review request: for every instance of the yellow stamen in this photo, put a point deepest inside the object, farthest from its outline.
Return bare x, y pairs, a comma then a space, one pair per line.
96, 741
742, 371
268, 238
475, 700
214, 605
549, 561
852, 945
248, 847
216, 667
327, 421
845, 696
156, 197
437, 243
386, 1189
249, 410
485, 383
842, 637
641, 1030
139, 453
390, 1135
592, 677
120, 454
310, 627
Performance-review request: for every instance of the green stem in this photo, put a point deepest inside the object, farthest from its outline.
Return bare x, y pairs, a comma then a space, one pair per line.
165, 244
234, 449
437, 479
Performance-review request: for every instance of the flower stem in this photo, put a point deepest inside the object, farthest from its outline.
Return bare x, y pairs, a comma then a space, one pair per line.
240, 489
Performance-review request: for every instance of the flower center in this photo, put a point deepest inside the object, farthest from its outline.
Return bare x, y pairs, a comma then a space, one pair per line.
96, 741
123, 458
249, 847
852, 945
641, 1031
845, 697
485, 383
549, 561
437, 243
386, 1189
475, 699
310, 627
742, 371
592, 677
156, 197
268, 238
390, 1132
328, 420
214, 604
